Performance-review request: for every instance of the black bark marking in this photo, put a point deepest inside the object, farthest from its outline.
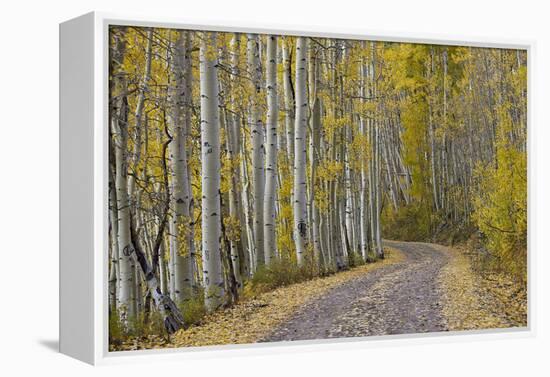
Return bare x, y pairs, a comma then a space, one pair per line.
302, 228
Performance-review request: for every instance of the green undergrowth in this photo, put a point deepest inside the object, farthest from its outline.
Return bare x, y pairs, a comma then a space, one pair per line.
151, 324
408, 223
418, 223
142, 326
511, 262
280, 272
284, 271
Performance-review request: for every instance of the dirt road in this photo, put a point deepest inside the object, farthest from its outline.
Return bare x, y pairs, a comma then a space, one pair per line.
397, 299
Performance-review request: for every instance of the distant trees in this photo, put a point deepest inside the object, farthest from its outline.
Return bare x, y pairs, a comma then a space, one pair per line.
233, 157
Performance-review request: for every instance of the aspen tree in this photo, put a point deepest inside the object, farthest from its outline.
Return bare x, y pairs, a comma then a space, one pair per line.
114, 273
258, 150
182, 236
363, 216
403, 140
143, 90
240, 265
119, 119
271, 150
300, 209
289, 107
376, 157
314, 150
210, 173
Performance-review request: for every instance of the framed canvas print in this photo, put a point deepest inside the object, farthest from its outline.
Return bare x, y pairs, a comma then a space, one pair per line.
227, 186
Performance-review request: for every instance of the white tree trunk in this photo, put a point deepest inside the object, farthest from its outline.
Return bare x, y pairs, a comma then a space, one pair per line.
313, 160
347, 183
258, 151
288, 101
114, 275
162, 269
234, 152
376, 164
139, 110
363, 216
182, 238
172, 280
210, 174
126, 296
271, 151
247, 211
300, 203
119, 119
314, 150
171, 316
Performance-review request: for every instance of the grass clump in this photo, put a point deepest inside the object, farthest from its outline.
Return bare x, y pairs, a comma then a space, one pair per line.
145, 325
281, 272
193, 309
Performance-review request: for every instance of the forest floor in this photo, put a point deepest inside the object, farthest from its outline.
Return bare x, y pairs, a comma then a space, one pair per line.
480, 300
418, 288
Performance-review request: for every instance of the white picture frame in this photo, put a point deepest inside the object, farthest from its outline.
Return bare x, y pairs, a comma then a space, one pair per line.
84, 195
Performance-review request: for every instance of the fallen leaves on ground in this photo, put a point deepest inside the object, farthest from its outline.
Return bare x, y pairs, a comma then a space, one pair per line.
480, 301
254, 318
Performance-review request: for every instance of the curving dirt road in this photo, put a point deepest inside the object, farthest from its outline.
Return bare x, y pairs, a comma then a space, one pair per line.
397, 299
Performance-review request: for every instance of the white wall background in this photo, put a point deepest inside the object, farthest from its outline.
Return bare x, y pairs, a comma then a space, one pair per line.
29, 184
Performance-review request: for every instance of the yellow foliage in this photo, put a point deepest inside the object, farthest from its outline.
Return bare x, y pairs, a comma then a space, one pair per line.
184, 232
232, 228
501, 202
330, 170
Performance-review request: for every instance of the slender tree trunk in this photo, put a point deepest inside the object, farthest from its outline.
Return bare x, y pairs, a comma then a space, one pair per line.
183, 237
374, 187
258, 151
271, 151
363, 216
210, 174
139, 111
348, 208
300, 205
377, 155
169, 312
247, 212
288, 100
162, 269
238, 259
173, 253
114, 275
119, 119
313, 159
